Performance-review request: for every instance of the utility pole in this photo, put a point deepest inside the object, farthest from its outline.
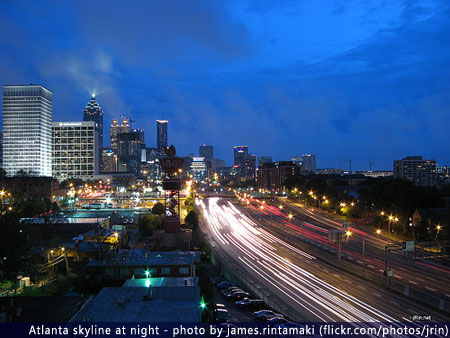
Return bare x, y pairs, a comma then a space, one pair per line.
339, 246
364, 254
350, 171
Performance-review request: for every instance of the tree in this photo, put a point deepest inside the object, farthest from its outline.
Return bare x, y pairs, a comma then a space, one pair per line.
13, 246
192, 218
158, 209
422, 231
146, 224
2, 172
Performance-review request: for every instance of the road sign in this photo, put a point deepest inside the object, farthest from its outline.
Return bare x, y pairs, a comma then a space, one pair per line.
408, 246
335, 236
345, 225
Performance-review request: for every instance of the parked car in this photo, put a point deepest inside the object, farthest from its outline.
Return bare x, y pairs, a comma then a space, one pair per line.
229, 293
231, 289
239, 295
265, 314
248, 303
288, 325
217, 280
224, 285
222, 315
277, 320
219, 306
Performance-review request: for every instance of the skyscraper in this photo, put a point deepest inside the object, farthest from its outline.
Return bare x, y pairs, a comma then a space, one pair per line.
416, 169
75, 151
116, 128
161, 134
309, 163
240, 155
27, 129
129, 152
207, 152
93, 112
264, 159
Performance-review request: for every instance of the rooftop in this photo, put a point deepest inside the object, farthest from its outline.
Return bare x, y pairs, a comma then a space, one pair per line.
142, 304
136, 257
162, 281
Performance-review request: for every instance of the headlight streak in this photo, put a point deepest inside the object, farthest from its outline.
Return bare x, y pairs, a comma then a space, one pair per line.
263, 259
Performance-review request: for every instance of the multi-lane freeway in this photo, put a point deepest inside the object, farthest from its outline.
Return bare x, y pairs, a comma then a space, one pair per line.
307, 224
317, 290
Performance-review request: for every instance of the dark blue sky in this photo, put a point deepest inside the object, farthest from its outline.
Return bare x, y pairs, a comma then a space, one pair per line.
367, 80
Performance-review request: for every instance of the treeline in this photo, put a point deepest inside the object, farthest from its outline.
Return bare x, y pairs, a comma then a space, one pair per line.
375, 200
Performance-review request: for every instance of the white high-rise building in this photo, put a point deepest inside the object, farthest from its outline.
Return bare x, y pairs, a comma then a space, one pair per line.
75, 149
27, 129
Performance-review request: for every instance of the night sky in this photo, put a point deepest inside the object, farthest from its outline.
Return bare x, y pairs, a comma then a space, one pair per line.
367, 80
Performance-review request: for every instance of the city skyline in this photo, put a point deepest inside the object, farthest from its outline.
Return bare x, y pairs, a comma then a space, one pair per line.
281, 87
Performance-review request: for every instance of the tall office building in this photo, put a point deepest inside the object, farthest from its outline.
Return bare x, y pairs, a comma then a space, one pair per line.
161, 134
271, 176
297, 159
109, 161
93, 112
1, 148
207, 152
250, 167
198, 168
27, 129
129, 152
116, 128
416, 169
240, 155
264, 159
309, 163
75, 149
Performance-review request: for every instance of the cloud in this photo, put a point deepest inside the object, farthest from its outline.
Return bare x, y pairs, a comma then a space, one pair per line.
367, 81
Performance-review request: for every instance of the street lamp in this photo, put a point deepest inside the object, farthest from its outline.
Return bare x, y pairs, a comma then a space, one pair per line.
290, 216
378, 232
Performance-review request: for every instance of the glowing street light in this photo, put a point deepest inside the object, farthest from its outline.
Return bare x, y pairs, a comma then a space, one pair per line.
290, 216
378, 232
202, 304
281, 207
348, 233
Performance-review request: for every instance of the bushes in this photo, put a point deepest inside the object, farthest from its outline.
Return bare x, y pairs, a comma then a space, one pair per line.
158, 209
192, 218
148, 223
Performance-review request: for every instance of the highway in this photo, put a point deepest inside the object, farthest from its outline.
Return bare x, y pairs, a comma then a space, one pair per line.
319, 291
312, 226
